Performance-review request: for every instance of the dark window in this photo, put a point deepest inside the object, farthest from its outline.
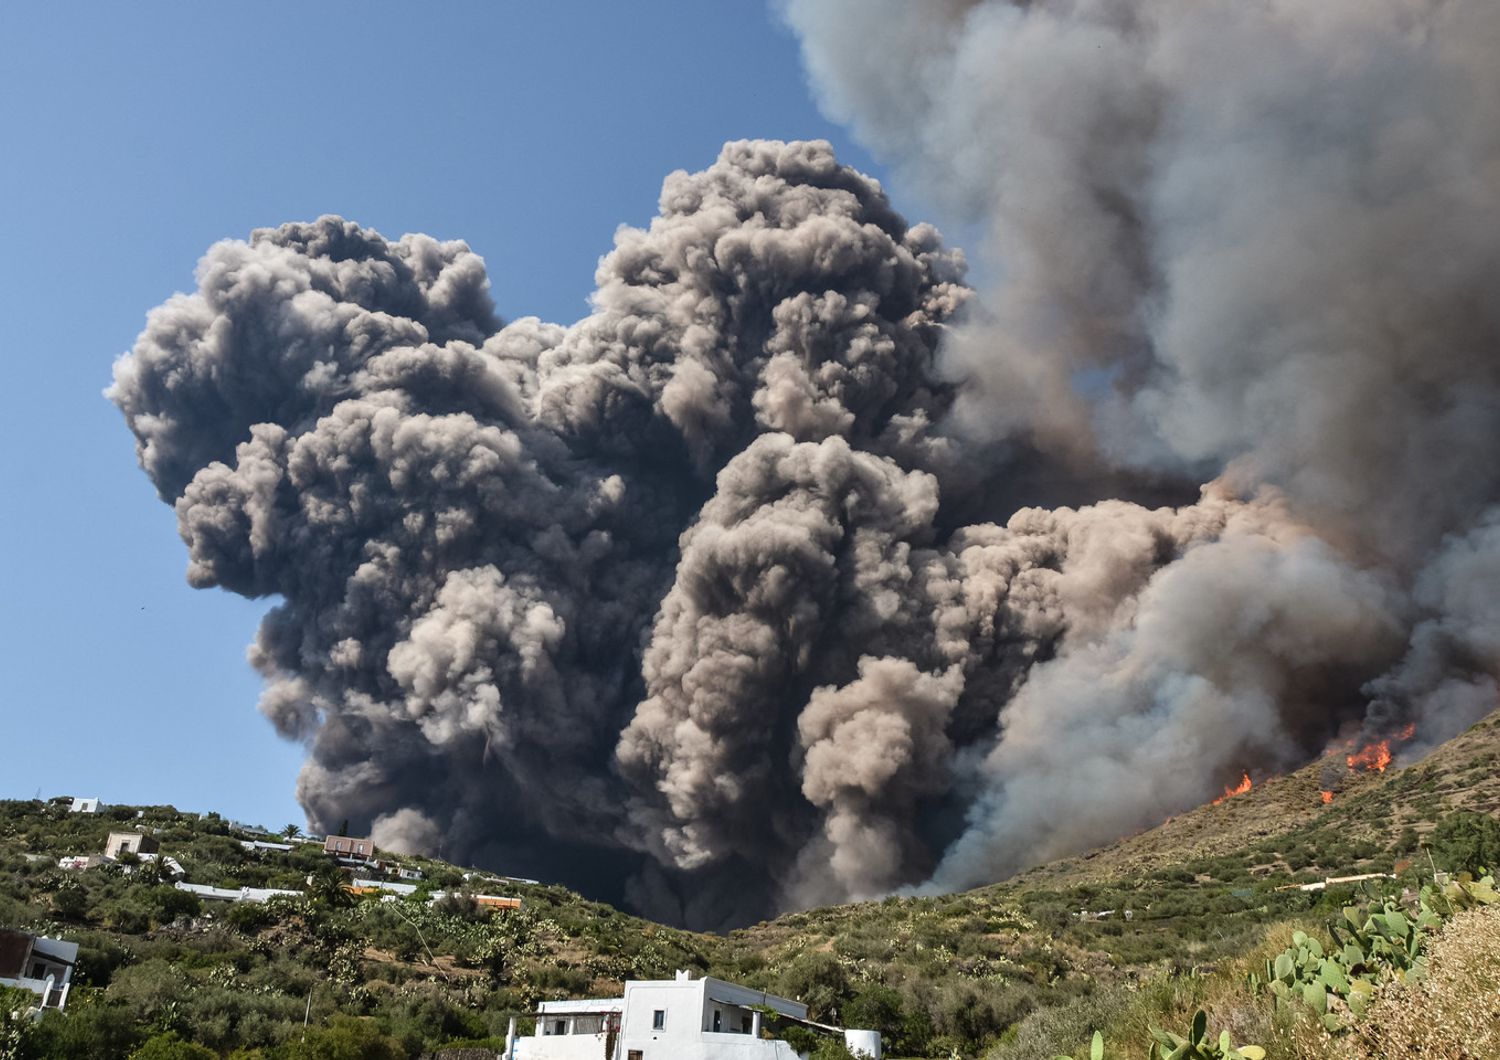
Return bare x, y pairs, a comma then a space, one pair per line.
634, 1054
746, 1023
560, 1027
718, 1020
659, 1019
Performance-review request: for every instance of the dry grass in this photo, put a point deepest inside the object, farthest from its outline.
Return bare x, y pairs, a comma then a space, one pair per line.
1453, 1014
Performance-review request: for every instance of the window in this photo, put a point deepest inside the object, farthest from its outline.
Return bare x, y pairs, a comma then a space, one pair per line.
659, 1019
633, 1054
718, 1020
560, 1027
747, 1023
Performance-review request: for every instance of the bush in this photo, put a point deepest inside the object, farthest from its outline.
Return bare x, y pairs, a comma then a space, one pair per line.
250, 917
96, 1031
16, 1029
819, 981
168, 1046
168, 903
1465, 841
345, 1038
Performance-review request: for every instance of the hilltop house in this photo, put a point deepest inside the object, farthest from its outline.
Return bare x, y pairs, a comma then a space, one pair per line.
84, 806
42, 965
130, 843
345, 848
674, 1019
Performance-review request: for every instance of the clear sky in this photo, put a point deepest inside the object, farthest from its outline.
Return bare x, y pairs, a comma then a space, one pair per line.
134, 135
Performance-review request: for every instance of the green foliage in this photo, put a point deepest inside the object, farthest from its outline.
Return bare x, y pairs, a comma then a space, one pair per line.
1096, 1049
830, 1049
95, 1030
70, 901
1199, 1045
819, 980
326, 890
1465, 841
17, 1032
250, 917
1376, 941
345, 1038
1462, 892
168, 1045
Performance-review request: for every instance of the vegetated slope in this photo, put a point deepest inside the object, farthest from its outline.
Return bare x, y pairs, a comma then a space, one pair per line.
1368, 810
1212, 891
1022, 968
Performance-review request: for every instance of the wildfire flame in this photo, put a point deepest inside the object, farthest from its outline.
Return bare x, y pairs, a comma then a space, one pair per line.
1373, 757
1239, 789
1327, 797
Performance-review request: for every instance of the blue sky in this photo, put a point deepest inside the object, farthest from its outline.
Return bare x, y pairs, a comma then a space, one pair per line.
134, 135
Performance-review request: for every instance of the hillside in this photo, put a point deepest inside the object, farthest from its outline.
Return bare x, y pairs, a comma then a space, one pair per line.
1288, 825
1153, 924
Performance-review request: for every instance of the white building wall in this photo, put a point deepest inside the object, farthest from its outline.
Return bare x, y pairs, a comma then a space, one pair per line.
50, 992
689, 1010
562, 1047
688, 1005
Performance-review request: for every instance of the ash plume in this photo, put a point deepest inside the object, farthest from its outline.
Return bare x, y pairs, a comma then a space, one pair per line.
798, 571
1251, 243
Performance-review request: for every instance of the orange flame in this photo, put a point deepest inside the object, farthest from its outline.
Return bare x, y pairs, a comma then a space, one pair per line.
1239, 789
1327, 797
1372, 757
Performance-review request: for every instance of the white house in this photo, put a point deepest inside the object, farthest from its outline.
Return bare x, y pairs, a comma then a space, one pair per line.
80, 862
350, 849
256, 846
138, 843
260, 895
42, 965
360, 886
84, 806
674, 1019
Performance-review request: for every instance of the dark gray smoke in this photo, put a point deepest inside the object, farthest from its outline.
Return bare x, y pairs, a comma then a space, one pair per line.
794, 572
1254, 242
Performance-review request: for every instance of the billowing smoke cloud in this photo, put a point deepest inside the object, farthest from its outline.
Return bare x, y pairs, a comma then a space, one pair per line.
1249, 235
1252, 242
795, 572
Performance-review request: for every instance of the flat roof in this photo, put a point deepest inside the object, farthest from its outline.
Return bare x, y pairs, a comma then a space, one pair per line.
585, 1006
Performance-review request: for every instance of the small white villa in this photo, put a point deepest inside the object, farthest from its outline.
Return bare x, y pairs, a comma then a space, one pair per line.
674, 1019
42, 965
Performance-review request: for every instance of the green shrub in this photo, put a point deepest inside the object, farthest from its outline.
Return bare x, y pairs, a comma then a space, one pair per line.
168, 1046
345, 1038
94, 1030
1465, 841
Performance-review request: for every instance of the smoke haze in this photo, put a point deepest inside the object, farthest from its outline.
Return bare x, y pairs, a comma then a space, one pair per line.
798, 571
